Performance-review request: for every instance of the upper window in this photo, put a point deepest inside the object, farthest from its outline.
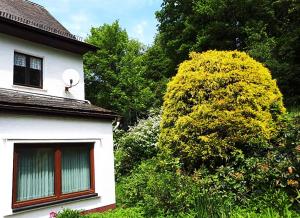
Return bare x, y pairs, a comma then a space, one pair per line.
45, 173
28, 70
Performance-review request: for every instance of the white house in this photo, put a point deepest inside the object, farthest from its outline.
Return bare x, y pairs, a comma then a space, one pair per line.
56, 149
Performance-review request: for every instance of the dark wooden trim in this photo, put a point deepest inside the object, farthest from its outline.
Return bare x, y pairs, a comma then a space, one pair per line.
57, 169
15, 176
100, 209
33, 202
76, 194
92, 166
58, 195
54, 202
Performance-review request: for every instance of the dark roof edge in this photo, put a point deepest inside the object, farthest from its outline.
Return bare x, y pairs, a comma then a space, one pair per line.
55, 111
35, 4
82, 46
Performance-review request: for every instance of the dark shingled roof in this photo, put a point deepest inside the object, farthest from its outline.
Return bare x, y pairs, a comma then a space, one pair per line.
13, 100
30, 21
31, 12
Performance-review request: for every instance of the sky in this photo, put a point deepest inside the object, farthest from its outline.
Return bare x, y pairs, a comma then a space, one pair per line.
78, 16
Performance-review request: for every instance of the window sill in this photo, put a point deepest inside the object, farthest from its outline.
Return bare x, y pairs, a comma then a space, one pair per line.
27, 88
53, 203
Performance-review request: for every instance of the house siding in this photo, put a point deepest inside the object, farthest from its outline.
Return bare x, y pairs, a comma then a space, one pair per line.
21, 128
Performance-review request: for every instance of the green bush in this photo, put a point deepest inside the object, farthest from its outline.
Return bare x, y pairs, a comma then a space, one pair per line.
266, 213
205, 208
159, 187
137, 144
120, 213
288, 142
220, 106
68, 213
255, 182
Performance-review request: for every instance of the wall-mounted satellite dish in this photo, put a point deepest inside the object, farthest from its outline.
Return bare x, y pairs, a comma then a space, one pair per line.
71, 78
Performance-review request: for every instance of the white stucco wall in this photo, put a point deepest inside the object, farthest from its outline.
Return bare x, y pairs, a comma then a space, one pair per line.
55, 62
18, 128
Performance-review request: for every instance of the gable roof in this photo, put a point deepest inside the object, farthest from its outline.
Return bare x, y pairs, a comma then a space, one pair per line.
32, 12
14, 100
30, 21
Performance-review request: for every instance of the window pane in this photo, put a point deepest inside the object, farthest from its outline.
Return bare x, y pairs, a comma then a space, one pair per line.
35, 174
75, 169
20, 60
35, 63
35, 78
19, 75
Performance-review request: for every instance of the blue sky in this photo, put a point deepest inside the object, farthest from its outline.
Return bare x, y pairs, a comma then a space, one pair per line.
78, 16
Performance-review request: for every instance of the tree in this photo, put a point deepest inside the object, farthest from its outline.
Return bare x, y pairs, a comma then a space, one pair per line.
219, 106
157, 70
267, 29
176, 35
114, 73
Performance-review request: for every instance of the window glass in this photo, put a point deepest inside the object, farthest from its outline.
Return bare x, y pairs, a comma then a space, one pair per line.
20, 60
28, 71
50, 172
34, 78
35, 63
35, 174
19, 75
75, 170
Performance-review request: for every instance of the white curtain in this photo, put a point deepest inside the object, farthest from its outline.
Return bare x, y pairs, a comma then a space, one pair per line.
75, 170
35, 63
35, 174
20, 60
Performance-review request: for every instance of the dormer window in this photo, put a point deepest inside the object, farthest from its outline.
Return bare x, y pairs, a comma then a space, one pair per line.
28, 70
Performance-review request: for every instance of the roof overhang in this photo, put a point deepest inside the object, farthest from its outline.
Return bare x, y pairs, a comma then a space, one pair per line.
30, 109
40, 36
14, 101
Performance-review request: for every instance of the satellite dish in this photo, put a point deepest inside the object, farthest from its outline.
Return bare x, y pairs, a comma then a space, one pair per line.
71, 78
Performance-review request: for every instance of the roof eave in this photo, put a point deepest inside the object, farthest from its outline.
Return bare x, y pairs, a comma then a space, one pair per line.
59, 112
40, 36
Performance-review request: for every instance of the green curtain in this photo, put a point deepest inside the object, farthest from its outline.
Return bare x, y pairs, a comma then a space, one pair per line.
75, 169
35, 174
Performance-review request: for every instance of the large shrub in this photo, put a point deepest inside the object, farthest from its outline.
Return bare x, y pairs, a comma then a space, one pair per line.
220, 105
158, 186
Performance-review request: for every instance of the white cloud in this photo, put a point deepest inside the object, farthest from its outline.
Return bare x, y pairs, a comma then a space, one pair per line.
139, 29
79, 23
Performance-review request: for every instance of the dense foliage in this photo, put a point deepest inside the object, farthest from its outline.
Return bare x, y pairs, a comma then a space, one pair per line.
219, 106
160, 186
136, 212
268, 29
158, 70
120, 213
137, 144
225, 148
114, 73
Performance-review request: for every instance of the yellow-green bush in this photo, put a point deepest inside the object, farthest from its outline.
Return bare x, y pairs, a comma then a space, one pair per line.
219, 105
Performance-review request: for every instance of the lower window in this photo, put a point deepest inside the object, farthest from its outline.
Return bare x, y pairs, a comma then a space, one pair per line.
50, 172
